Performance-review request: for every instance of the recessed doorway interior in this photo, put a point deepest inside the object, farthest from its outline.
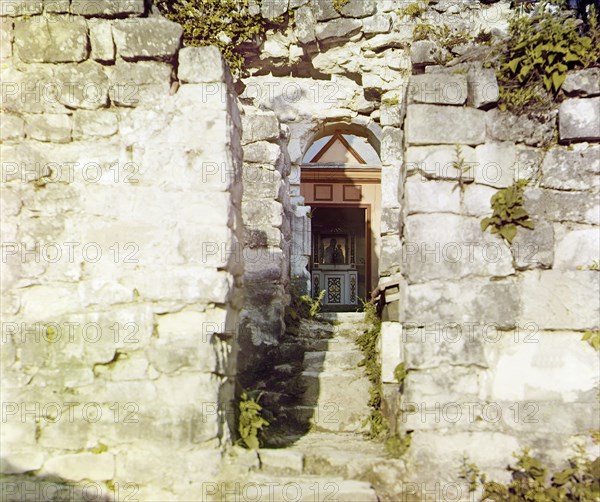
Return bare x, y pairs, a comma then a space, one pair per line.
340, 256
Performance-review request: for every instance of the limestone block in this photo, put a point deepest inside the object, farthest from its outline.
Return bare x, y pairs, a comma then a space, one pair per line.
20, 462
437, 162
101, 41
282, 460
175, 390
84, 85
79, 466
438, 88
359, 8
274, 8
579, 207
305, 21
275, 47
477, 199
391, 255
579, 119
378, 23
49, 127
554, 372
262, 152
392, 115
261, 183
45, 302
107, 8
424, 52
441, 385
481, 301
391, 350
184, 283
432, 124
324, 10
21, 8
201, 65
424, 196
6, 40
392, 146
259, 126
94, 124
262, 213
483, 88
529, 160
13, 127
147, 38
455, 344
504, 126
557, 299
582, 83
565, 169
337, 29
577, 248
133, 83
391, 186
51, 40
438, 451
57, 6
496, 163
534, 248
448, 246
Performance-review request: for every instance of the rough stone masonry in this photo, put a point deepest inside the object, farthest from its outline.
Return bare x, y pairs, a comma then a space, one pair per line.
152, 222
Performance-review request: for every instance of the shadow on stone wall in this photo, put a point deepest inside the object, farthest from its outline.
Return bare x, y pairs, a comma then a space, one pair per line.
30, 487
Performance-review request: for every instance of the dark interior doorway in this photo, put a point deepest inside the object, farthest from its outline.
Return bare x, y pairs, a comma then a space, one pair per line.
340, 260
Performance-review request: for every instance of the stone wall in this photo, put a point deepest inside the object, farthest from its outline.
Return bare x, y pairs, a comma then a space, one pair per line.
266, 215
463, 323
490, 332
121, 253
346, 69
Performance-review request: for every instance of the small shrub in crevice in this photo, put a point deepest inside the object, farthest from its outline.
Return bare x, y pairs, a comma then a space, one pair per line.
508, 212
580, 481
226, 24
250, 422
539, 51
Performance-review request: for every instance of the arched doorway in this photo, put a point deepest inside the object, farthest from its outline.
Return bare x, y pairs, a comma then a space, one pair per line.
340, 181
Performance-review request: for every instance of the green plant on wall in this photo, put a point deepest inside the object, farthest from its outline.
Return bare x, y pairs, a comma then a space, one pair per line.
413, 10
541, 48
580, 481
251, 421
508, 212
367, 342
226, 24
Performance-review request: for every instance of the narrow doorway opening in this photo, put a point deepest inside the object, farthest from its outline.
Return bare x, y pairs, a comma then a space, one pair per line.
340, 258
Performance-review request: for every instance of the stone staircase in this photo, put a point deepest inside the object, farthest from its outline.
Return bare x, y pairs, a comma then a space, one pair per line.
321, 452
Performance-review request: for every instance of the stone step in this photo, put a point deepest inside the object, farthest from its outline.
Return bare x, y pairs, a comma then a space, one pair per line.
281, 460
264, 487
347, 389
332, 360
352, 456
329, 418
341, 317
333, 344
